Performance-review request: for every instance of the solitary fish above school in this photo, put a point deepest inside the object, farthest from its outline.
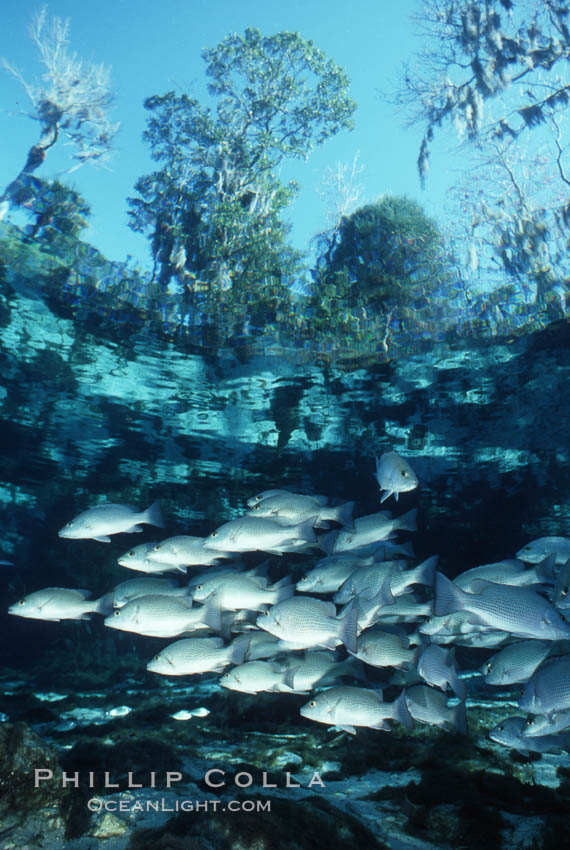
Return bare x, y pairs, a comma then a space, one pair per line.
394, 475
59, 603
99, 522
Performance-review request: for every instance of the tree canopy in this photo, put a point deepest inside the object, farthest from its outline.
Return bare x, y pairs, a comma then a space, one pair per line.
497, 72
73, 100
213, 210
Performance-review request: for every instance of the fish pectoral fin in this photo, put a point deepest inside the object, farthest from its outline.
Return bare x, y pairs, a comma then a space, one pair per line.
104, 538
344, 728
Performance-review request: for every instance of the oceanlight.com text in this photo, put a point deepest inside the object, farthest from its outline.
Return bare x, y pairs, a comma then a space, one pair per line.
163, 804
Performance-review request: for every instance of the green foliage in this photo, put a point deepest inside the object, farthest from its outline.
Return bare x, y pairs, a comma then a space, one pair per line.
391, 252
213, 210
496, 71
380, 273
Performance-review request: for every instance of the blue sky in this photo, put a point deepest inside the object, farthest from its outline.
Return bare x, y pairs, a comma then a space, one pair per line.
155, 47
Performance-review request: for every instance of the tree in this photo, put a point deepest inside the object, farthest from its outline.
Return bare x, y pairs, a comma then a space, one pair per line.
381, 270
473, 60
213, 210
497, 71
73, 100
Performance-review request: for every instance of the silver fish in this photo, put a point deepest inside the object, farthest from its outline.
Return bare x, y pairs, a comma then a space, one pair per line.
162, 616
561, 592
513, 572
316, 669
250, 534
518, 610
368, 530
198, 655
262, 645
59, 603
544, 724
437, 667
236, 592
305, 622
330, 572
252, 677
139, 558
428, 705
269, 494
366, 582
385, 649
136, 587
548, 690
394, 475
509, 733
295, 508
184, 550
345, 708
99, 522
516, 662
204, 585
539, 549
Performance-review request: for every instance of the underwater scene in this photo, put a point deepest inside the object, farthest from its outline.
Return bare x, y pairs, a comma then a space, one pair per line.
285, 425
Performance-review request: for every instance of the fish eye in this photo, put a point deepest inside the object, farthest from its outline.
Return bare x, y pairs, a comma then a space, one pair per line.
404, 473
500, 728
157, 547
117, 612
564, 591
156, 658
214, 534
530, 721
312, 703
199, 587
130, 555
22, 602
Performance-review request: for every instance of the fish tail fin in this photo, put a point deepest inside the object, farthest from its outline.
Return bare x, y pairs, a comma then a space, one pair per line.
349, 624
448, 597
327, 542
104, 605
153, 515
460, 717
212, 614
425, 572
407, 522
401, 712
238, 649
306, 529
546, 571
343, 514
459, 687
283, 589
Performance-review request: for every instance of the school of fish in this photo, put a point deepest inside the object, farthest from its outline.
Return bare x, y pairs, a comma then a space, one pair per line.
366, 605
